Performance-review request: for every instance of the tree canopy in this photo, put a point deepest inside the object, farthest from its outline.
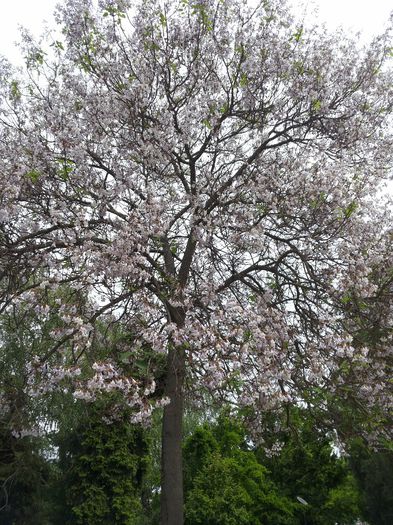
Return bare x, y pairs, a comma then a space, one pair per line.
206, 176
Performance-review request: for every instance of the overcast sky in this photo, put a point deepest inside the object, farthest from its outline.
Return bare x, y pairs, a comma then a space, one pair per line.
370, 17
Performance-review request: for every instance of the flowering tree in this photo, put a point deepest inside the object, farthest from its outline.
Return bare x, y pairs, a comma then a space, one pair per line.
205, 175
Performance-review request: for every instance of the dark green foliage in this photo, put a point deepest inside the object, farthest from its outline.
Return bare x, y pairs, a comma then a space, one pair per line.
229, 482
24, 476
307, 468
225, 484
103, 467
24, 471
374, 473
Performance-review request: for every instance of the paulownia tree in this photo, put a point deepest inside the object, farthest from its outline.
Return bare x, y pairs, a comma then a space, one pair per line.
205, 175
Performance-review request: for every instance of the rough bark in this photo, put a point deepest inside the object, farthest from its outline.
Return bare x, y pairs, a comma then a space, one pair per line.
172, 427
171, 460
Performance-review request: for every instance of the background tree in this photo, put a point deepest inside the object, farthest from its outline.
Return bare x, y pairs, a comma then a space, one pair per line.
51, 444
24, 478
228, 479
225, 484
102, 465
373, 471
305, 465
203, 175
24, 471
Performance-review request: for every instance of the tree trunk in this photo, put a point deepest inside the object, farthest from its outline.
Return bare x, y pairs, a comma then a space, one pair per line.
172, 430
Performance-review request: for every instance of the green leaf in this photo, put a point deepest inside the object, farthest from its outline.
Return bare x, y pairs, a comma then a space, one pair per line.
318, 201
58, 45
316, 105
224, 108
66, 168
346, 299
200, 9
125, 357
263, 209
298, 35
243, 80
33, 175
351, 209
347, 212
85, 63
35, 58
206, 122
15, 92
163, 20
299, 67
